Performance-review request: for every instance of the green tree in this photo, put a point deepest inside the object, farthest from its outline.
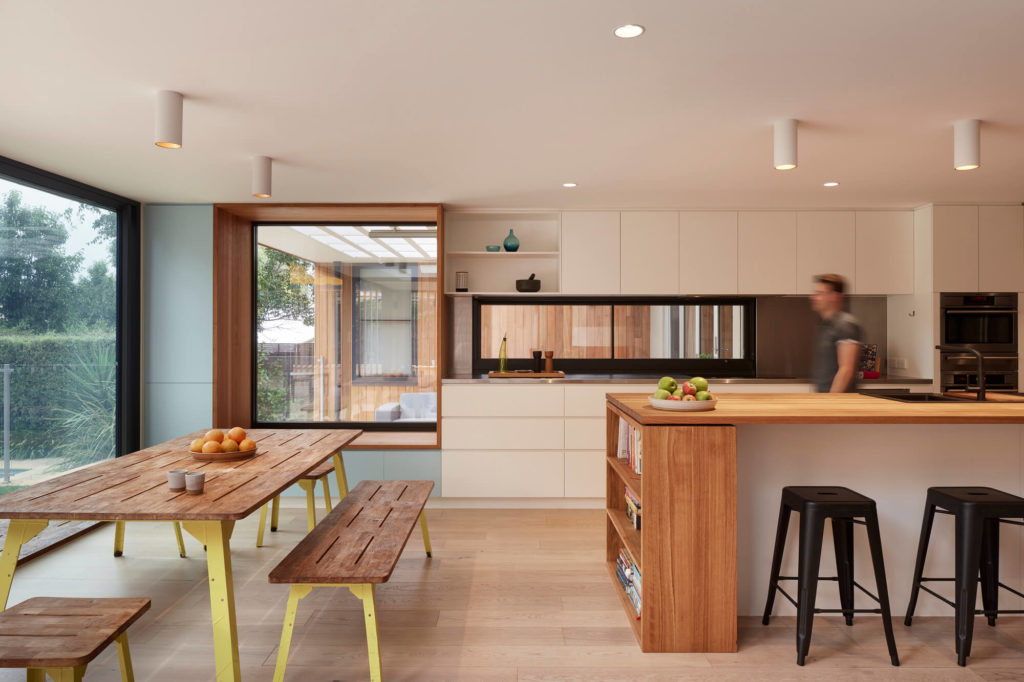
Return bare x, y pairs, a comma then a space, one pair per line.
96, 295
37, 278
284, 286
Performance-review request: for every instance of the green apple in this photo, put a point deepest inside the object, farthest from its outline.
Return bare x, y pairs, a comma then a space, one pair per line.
678, 392
699, 383
667, 384
703, 395
661, 394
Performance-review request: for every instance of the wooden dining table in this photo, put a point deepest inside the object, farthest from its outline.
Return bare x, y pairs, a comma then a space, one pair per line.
134, 488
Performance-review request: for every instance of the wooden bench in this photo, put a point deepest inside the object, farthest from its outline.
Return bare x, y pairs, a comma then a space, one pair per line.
356, 546
308, 483
59, 636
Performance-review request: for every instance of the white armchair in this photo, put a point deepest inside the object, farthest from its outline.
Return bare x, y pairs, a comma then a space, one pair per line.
411, 407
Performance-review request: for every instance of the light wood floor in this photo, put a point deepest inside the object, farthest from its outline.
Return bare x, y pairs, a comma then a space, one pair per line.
509, 596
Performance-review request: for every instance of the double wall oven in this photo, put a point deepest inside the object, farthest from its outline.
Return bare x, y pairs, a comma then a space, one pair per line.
988, 322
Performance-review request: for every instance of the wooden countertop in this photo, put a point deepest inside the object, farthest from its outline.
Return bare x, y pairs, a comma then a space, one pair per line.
819, 408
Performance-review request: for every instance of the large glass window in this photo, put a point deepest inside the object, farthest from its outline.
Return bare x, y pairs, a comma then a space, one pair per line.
709, 336
59, 341
346, 321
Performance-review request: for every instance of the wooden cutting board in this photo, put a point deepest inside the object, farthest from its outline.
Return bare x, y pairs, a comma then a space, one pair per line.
526, 375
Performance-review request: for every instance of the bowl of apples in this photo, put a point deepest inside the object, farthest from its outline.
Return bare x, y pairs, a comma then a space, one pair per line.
223, 445
693, 395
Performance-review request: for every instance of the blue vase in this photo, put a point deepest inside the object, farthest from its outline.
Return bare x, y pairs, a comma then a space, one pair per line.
511, 241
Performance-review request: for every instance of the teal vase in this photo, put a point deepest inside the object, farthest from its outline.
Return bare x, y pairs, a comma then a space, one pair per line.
511, 241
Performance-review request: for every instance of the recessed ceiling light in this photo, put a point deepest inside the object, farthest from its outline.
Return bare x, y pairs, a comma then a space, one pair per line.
568, 184
832, 183
629, 31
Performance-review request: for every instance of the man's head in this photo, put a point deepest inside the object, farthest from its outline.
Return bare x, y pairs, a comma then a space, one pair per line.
827, 299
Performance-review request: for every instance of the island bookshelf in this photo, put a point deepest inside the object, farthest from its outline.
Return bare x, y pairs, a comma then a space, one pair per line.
685, 549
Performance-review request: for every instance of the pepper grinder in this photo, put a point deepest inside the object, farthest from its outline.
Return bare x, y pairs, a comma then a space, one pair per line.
549, 363
537, 364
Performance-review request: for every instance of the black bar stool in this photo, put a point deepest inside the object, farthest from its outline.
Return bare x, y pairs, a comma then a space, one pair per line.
843, 506
978, 513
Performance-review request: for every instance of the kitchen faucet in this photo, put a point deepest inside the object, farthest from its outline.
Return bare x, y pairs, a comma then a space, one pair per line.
957, 348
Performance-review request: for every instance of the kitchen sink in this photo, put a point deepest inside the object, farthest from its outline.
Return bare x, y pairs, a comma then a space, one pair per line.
921, 398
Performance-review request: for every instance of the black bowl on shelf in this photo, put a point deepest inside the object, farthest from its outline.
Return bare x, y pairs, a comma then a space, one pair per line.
528, 285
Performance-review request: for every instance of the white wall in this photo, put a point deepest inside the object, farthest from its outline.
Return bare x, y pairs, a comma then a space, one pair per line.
177, 320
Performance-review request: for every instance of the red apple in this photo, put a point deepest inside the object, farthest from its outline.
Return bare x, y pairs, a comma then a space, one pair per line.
689, 396
673, 397
689, 389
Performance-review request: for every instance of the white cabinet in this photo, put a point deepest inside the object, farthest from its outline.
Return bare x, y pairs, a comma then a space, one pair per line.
585, 473
824, 244
502, 433
590, 252
707, 252
649, 245
767, 252
1001, 248
475, 400
490, 473
955, 248
885, 252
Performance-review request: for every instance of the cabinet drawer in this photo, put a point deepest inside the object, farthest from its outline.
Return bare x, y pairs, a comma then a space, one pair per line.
585, 473
585, 433
588, 400
533, 473
502, 433
488, 400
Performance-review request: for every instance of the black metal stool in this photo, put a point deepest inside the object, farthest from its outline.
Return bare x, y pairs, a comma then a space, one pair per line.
843, 506
978, 513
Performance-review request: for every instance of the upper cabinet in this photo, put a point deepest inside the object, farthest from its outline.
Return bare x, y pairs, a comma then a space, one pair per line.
648, 251
590, 252
1001, 248
955, 248
885, 252
707, 252
825, 243
767, 252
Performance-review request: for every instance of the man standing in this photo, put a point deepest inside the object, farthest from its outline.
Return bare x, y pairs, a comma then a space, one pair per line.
837, 350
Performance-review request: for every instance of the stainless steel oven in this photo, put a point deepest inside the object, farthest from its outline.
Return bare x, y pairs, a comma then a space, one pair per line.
988, 322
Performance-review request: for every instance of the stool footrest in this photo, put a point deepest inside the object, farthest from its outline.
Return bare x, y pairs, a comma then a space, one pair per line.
847, 611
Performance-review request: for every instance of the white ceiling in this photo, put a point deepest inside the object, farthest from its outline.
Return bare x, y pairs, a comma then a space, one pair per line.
498, 102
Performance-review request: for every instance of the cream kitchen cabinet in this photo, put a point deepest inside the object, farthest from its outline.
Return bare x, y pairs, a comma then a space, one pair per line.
825, 242
648, 248
885, 252
1001, 248
955, 248
590, 252
767, 252
707, 252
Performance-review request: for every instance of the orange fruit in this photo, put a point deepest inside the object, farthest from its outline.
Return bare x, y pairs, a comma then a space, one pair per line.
212, 446
247, 444
214, 435
228, 445
196, 445
237, 434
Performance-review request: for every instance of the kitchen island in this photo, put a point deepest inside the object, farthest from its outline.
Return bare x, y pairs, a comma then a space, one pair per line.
711, 481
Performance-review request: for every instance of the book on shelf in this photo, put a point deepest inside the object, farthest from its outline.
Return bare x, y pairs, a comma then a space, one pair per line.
632, 509
630, 446
629, 577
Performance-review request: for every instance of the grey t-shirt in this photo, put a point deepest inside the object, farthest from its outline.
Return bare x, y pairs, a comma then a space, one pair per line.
842, 327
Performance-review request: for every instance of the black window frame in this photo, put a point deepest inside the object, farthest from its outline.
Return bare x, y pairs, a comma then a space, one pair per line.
711, 368
128, 417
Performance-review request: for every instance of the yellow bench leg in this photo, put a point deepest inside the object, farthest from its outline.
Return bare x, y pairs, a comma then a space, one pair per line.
118, 538
18, 533
216, 535
365, 592
180, 539
274, 509
327, 493
308, 486
426, 533
124, 655
339, 474
297, 593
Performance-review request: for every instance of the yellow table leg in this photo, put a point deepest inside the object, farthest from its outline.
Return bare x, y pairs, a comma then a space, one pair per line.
118, 538
180, 539
216, 536
275, 508
308, 486
263, 524
426, 533
35, 675
365, 592
124, 655
297, 593
327, 494
18, 533
64, 674
339, 474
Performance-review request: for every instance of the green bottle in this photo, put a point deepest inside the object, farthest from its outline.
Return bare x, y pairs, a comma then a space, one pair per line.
502, 355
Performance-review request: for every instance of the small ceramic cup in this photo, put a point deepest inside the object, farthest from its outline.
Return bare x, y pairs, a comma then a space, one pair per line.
194, 482
176, 480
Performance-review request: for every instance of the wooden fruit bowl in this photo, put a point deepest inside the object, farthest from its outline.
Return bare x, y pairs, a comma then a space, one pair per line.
223, 456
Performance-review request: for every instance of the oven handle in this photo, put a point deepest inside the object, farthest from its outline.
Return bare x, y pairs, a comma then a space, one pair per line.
976, 311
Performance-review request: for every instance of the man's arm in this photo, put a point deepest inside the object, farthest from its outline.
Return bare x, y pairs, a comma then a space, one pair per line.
848, 353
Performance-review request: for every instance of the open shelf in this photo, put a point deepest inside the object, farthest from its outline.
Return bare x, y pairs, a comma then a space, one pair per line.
506, 254
630, 479
634, 622
501, 293
629, 535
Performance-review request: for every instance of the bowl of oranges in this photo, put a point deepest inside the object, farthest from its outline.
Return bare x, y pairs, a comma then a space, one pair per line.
220, 446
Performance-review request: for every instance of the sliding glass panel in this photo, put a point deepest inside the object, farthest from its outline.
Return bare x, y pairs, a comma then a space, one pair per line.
571, 331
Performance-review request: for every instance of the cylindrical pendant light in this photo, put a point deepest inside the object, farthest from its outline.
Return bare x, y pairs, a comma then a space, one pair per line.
784, 147
261, 167
168, 119
967, 144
